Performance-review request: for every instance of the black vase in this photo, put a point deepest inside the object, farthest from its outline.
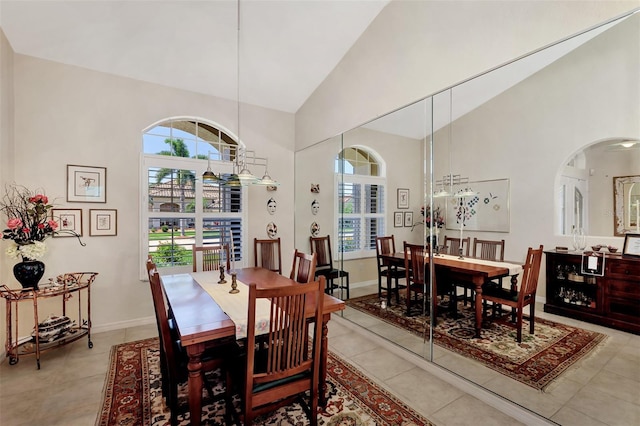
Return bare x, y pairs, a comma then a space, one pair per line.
28, 273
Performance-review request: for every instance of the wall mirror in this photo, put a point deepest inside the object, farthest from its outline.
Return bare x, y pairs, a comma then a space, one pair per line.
524, 122
584, 187
626, 190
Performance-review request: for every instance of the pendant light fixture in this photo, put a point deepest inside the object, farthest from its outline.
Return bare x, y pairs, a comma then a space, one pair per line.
209, 176
241, 175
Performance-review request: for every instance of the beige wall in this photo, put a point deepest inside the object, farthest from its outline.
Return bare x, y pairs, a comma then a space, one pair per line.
68, 115
416, 48
6, 146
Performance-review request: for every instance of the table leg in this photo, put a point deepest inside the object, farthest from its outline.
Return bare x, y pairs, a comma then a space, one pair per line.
478, 287
324, 349
195, 382
389, 272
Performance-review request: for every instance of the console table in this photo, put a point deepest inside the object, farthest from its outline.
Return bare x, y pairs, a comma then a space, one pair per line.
65, 287
612, 300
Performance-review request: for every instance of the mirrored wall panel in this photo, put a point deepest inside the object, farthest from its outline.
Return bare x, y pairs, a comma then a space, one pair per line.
432, 211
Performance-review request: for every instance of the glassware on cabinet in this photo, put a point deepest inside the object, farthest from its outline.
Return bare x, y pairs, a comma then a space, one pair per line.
579, 239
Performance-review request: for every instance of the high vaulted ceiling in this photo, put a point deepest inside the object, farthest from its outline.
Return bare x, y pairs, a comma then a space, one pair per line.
287, 47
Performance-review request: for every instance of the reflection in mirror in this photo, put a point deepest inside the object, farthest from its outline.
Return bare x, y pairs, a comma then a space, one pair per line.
584, 188
525, 123
626, 191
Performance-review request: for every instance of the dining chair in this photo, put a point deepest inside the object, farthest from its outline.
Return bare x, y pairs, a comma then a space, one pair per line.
324, 264
486, 250
518, 299
280, 368
267, 254
210, 257
304, 267
453, 245
418, 279
387, 245
174, 358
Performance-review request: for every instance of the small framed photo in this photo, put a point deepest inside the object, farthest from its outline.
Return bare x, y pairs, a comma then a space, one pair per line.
86, 184
631, 245
403, 198
398, 220
68, 220
103, 222
408, 219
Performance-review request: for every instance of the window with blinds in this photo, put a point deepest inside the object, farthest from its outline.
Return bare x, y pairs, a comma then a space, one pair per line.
182, 210
360, 215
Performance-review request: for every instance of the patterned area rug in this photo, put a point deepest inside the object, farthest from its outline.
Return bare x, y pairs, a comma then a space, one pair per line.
132, 396
536, 361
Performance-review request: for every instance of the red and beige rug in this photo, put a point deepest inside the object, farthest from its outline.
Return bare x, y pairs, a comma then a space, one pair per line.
132, 396
539, 359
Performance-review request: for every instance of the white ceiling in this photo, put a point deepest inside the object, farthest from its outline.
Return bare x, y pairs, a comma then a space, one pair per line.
287, 47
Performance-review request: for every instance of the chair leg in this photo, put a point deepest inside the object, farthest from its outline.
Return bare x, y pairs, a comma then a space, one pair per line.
348, 286
519, 325
380, 285
532, 311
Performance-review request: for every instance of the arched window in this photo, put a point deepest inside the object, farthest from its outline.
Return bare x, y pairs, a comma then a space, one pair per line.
182, 210
361, 206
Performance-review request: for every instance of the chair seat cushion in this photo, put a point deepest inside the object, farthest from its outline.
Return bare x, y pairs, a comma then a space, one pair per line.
495, 290
268, 385
400, 272
331, 273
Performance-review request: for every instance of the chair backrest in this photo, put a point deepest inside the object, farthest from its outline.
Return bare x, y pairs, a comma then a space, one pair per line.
384, 245
211, 257
304, 267
531, 270
286, 366
322, 247
267, 254
453, 245
414, 257
161, 318
488, 249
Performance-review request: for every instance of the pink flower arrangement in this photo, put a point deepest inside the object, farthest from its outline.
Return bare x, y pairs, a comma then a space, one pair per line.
28, 222
438, 218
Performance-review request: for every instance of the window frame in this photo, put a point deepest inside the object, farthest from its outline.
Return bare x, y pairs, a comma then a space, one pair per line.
341, 178
199, 166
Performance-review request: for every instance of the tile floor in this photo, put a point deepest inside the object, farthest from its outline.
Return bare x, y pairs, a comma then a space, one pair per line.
602, 389
605, 391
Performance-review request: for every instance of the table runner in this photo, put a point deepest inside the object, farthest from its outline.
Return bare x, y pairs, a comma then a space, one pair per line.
236, 306
513, 268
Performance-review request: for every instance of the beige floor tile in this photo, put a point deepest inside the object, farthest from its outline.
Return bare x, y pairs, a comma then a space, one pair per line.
620, 387
569, 416
381, 363
419, 387
605, 408
141, 332
468, 410
469, 369
351, 344
624, 364
534, 400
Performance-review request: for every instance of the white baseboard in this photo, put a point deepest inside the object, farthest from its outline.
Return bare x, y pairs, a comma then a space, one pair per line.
511, 409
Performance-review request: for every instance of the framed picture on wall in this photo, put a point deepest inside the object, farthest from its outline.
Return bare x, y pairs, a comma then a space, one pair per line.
403, 198
103, 222
86, 184
68, 220
408, 219
398, 220
631, 245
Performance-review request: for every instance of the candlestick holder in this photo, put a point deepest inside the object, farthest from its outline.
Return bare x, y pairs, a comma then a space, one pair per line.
234, 284
222, 280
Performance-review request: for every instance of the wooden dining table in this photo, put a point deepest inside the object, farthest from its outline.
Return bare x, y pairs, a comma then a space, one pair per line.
474, 271
202, 324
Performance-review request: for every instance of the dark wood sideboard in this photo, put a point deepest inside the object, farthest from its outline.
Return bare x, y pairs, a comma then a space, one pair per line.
612, 300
